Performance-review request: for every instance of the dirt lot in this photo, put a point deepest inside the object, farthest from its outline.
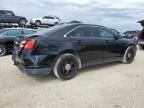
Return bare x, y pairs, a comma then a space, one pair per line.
113, 85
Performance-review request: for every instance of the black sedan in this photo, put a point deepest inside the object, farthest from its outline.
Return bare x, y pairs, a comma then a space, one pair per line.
7, 37
65, 48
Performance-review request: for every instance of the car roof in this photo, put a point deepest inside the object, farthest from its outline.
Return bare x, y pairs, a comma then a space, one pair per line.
81, 24
6, 10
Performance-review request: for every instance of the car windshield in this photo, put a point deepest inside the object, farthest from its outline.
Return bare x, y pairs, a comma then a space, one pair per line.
51, 30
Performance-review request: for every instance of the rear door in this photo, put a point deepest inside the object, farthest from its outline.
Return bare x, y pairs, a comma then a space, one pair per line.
87, 43
2, 14
9, 17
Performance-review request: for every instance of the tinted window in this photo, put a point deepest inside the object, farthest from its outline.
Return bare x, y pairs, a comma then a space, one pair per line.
48, 17
1, 12
105, 33
14, 33
8, 13
84, 32
27, 32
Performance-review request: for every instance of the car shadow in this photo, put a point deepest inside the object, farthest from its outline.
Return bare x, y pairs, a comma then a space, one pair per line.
98, 67
51, 77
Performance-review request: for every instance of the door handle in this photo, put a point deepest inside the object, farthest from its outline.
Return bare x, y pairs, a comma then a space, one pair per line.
79, 41
107, 41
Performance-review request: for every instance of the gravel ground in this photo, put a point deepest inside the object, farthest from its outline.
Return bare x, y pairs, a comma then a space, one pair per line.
112, 85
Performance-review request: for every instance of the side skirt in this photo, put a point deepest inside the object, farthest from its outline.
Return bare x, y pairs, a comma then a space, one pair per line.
102, 61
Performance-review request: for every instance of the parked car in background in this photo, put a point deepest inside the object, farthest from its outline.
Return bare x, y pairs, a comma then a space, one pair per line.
63, 49
132, 35
10, 17
46, 20
115, 31
141, 39
8, 36
141, 36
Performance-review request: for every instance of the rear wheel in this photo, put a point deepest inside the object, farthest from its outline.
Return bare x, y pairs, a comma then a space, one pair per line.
15, 63
37, 23
56, 23
141, 47
22, 22
66, 66
3, 50
129, 55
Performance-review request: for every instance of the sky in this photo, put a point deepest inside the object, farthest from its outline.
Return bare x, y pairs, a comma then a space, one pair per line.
122, 15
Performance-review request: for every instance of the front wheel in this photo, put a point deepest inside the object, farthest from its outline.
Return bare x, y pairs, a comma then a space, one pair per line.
22, 22
66, 66
3, 50
141, 47
129, 55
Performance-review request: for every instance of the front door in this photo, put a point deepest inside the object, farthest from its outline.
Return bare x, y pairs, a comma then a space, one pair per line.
111, 46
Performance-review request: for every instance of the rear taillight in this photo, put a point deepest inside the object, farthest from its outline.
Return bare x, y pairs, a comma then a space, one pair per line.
28, 44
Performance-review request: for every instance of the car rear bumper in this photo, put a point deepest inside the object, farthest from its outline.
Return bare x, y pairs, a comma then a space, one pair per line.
34, 71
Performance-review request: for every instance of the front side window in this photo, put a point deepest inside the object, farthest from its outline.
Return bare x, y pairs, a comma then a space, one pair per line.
14, 33
105, 33
84, 32
9, 13
48, 17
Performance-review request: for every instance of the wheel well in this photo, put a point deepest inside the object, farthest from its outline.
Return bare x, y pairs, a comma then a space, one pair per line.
70, 51
38, 20
22, 18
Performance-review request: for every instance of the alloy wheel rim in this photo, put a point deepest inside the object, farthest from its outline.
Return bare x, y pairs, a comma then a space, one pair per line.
130, 55
2, 50
68, 67
22, 22
37, 23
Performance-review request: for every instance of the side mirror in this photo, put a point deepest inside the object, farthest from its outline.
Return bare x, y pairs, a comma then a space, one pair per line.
118, 37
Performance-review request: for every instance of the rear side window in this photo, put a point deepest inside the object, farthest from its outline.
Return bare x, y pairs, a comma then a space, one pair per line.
106, 33
84, 32
14, 33
2, 13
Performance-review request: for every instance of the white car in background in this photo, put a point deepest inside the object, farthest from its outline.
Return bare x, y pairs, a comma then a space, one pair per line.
46, 20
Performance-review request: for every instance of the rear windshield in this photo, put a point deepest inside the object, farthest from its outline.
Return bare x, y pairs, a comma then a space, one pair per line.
52, 30
2, 31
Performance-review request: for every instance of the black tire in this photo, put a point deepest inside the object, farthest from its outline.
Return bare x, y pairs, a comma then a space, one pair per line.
66, 67
141, 47
37, 23
56, 23
3, 50
129, 55
15, 63
22, 22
